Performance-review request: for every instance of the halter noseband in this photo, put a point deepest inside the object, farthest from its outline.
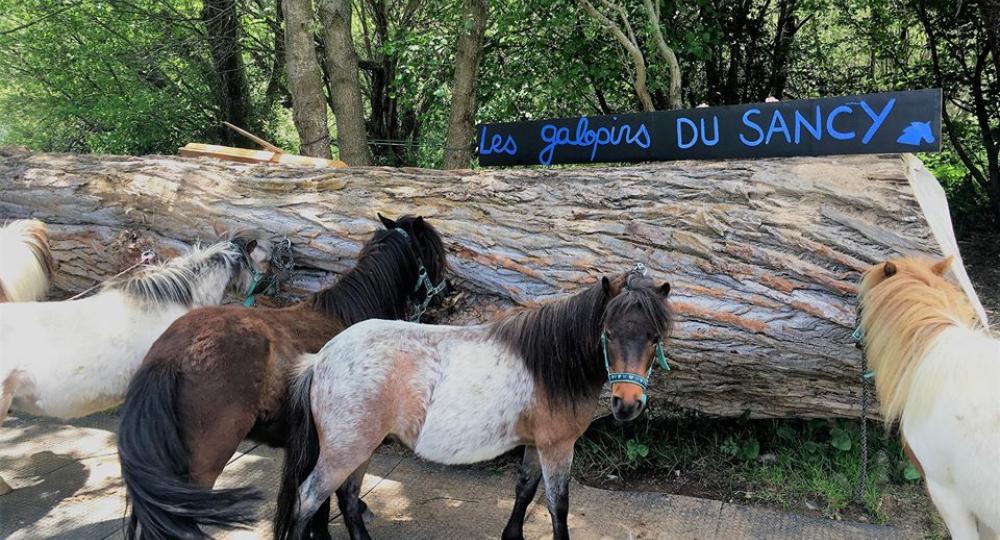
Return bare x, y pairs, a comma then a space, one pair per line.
423, 280
626, 377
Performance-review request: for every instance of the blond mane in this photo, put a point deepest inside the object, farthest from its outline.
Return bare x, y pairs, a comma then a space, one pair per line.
905, 305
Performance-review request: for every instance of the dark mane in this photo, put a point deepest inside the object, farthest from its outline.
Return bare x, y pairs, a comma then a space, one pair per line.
381, 284
559, 344
641, 292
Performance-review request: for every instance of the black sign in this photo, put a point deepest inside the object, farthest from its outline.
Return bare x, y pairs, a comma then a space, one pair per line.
871, 124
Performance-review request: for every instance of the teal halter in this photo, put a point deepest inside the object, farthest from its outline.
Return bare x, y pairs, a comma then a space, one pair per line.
625, 377
423, 280
284, 264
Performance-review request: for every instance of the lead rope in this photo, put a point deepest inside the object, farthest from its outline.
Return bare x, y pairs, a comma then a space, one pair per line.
865, 398
147, 257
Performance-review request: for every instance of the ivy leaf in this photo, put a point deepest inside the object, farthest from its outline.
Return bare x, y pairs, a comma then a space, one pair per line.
911, 473
840, 439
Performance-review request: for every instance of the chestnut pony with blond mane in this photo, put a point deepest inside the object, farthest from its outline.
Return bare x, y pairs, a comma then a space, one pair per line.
936, 371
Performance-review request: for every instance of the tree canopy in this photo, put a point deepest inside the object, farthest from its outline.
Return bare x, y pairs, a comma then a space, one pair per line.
400, 83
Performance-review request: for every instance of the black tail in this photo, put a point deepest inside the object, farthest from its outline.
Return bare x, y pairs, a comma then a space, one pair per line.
154, 462
301, 454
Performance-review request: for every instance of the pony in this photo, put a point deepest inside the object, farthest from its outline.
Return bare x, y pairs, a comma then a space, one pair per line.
459, 394
26, 264
936, 371
220, 375
73, 358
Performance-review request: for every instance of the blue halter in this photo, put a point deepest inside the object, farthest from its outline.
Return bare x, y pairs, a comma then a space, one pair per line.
626, 377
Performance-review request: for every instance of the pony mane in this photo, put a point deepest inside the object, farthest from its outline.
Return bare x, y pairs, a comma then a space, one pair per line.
901, 315
173, 282
559, 344
381, 283
559, 341
640, 292
33, 235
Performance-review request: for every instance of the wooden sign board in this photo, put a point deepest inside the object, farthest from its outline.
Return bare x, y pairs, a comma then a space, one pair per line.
870, 124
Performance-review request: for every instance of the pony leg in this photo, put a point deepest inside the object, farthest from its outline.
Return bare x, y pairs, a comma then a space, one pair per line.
527, 485
6, 398
959, 520
211, 451
986, 533
351, 506
331, 471
556, 464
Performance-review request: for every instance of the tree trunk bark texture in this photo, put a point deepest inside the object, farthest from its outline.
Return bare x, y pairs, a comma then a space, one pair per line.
764, 256
305, 82
461, 127
222, 20
345, 89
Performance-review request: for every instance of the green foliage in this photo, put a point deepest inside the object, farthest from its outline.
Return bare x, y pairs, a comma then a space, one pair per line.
136, 76
772, 462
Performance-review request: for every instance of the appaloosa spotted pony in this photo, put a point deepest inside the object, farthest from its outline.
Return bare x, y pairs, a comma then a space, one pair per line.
220, 375
467, 394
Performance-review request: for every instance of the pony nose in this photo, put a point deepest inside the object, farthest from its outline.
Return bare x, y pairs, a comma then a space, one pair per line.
625, 411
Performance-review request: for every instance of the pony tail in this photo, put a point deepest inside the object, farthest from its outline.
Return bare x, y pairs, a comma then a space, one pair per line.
154, 461
301, 454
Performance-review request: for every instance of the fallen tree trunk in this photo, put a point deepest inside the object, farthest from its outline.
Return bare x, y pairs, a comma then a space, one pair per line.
763, 255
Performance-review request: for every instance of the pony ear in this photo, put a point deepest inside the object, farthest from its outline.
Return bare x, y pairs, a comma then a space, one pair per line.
606, 284
388, 223
665, 288
251, 245
419, 221
889, 268
943, 265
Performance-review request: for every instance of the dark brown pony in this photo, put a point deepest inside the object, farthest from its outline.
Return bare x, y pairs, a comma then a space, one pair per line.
219, 375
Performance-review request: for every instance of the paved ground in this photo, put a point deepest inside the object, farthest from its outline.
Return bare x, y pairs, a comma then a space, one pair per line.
67, 486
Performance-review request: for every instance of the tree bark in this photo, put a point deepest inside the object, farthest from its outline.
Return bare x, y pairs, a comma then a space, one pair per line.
673, 66
223, 28
629, 42
345, 89
305, 83
461, 124
763, 255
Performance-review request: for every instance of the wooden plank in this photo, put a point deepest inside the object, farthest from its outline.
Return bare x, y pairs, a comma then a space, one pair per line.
245, 155
266, 145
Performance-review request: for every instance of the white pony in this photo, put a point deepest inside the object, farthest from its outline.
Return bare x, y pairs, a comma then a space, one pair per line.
74, 358
938, 372
25, 261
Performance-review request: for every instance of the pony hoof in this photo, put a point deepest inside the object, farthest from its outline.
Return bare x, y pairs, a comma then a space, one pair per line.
368, 516
5, 487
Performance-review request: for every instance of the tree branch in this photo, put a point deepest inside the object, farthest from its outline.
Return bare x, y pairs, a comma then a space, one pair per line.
630, 47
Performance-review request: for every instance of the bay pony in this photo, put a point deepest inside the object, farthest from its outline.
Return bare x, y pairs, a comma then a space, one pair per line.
937, 372
73, 358
26, 264
463, 394
219, 375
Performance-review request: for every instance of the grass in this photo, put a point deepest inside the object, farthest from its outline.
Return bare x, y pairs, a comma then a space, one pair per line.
809, 466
